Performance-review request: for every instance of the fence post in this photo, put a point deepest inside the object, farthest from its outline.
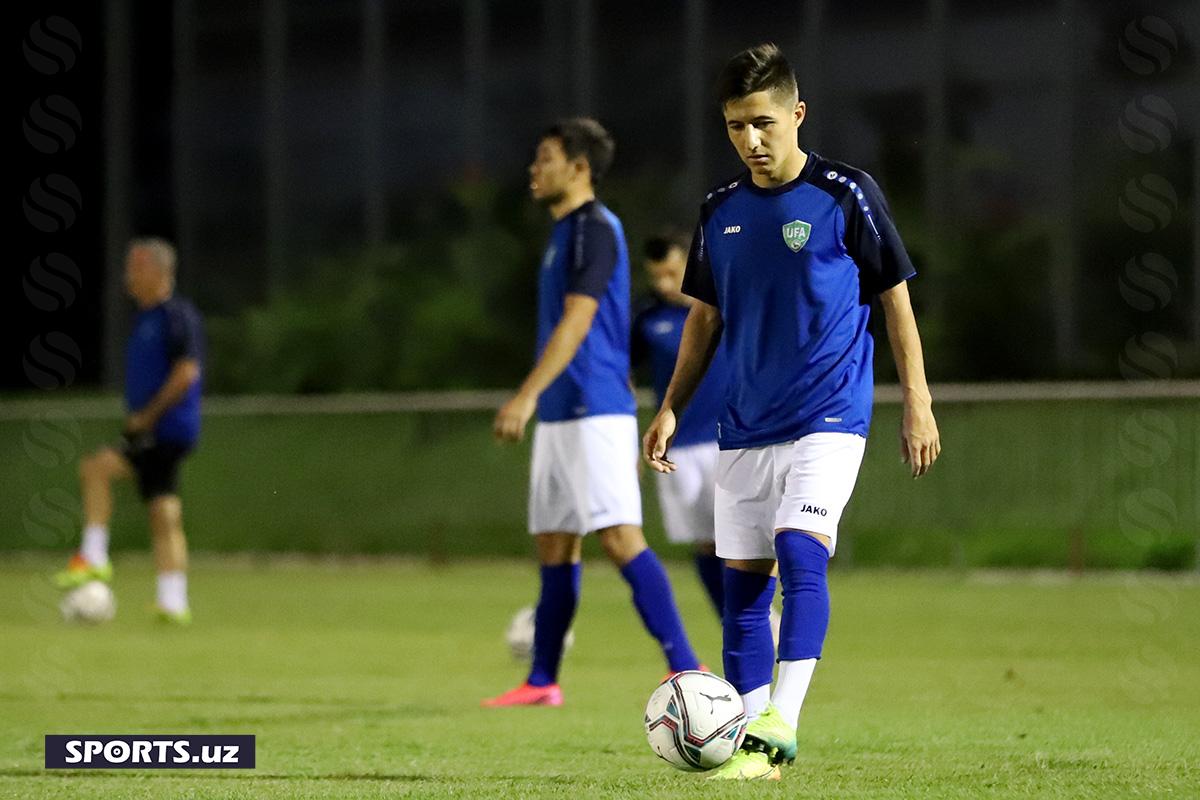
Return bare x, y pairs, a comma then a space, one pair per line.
475, 25
695, 99
937, 155
117, 227
373, 76
584, 98
811, 60
1063, 250
274, 45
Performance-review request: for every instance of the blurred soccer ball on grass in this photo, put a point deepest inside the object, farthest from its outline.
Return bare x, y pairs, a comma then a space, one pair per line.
520, 634
92, 604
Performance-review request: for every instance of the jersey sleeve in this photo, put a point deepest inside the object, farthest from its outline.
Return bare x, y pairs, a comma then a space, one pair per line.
185, 336
872, 239
593, 257
698, 279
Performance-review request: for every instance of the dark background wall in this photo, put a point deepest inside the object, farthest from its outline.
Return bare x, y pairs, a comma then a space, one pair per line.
306, 154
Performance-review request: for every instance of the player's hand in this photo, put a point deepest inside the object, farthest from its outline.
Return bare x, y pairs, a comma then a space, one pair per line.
657, 439
137, 423
920, 442
512, 418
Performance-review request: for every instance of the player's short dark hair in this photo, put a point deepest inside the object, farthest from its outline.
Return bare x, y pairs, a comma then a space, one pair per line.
659, 245
584, 136
761, 68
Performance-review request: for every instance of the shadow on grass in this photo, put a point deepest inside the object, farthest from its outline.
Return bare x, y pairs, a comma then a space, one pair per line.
213, 775
124, 697
243, 775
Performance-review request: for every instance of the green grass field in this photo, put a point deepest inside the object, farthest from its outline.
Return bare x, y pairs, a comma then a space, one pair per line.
362, 679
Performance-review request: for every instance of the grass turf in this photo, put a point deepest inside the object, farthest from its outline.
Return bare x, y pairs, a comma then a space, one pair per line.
362, 679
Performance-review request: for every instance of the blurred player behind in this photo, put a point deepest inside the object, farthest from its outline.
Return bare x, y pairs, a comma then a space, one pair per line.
686, 496
163, 365
583, 478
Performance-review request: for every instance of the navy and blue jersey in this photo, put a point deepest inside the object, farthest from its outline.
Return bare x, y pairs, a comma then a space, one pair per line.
587, 255
657, 332
161, 336
792, 270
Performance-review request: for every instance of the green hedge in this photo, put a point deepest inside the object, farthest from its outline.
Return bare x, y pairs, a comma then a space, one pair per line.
1099, 484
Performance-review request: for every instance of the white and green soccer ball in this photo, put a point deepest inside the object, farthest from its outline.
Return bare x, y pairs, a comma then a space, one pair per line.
519, 634
91, 603
695, 721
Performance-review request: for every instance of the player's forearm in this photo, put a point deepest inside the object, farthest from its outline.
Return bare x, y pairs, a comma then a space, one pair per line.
185, 373
701, 335
560, 349
905, 341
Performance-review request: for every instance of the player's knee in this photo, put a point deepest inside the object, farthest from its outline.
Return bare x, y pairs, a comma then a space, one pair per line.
820, 538
558, 548
748, 596
622, 543
91, 466
166, 513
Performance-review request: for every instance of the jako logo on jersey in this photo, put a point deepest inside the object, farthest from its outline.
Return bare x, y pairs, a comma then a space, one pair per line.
795, 234
807, 509
733, 228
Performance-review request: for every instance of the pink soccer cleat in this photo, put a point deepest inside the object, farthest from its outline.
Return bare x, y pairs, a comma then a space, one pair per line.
673, 673
526, 695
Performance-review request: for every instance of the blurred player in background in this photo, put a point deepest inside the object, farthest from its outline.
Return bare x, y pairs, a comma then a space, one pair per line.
164, 361
685, 496
786, 261
585, 445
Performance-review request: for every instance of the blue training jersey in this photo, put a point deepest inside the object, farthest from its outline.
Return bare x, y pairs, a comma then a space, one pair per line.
793, 270
587, 255
161, 336
657, 332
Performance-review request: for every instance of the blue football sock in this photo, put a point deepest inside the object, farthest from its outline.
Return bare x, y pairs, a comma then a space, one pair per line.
654, 601
802, 564
712, 569
749, 653
555, 610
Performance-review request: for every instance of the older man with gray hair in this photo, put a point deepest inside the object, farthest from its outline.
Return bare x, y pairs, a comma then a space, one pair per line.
163, 368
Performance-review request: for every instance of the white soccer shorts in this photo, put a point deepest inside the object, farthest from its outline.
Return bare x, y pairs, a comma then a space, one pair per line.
686, 495
584, 475
802, 485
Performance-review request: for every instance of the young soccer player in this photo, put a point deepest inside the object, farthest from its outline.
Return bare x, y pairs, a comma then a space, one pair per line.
785, 263
585, 446
685, 497
163, 367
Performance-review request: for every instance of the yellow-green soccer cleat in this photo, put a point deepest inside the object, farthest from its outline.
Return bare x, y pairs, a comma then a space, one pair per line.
180, 618
747, 765
80, 571
770, 734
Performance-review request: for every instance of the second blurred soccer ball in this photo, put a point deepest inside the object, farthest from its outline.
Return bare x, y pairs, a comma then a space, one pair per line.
520, 634
92, 603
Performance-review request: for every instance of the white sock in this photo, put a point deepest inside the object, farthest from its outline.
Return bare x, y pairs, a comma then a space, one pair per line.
172, 591
94, 548
756, 701
790, 688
